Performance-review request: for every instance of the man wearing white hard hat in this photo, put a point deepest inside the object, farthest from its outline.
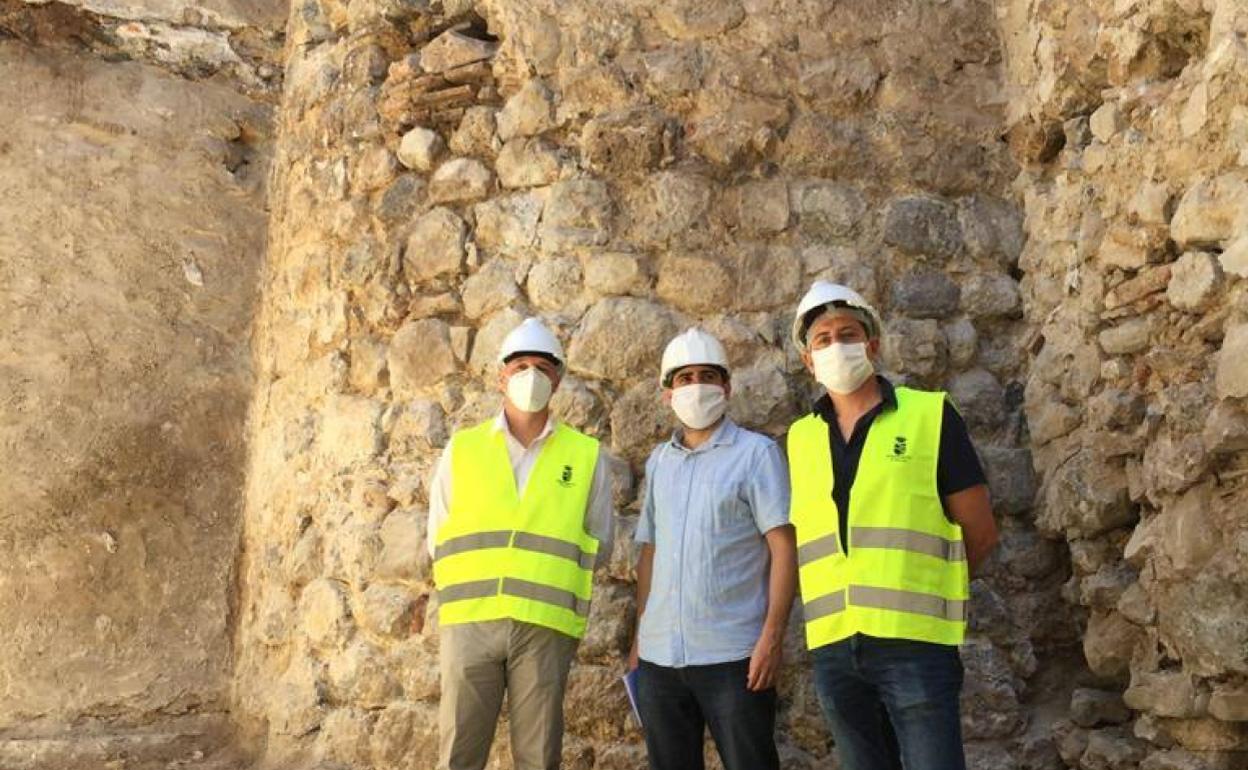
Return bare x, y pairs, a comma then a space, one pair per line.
715, 577
892, 514
519, 517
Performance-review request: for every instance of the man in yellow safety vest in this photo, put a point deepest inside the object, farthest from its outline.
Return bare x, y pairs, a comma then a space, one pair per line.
892, 512
519, 517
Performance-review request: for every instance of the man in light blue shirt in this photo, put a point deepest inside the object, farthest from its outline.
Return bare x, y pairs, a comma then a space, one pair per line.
716, 574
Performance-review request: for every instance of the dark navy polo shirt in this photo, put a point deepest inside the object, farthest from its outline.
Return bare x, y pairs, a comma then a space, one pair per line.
957, 466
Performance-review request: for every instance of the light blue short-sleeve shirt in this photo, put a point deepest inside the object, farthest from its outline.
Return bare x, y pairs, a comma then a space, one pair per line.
705, 511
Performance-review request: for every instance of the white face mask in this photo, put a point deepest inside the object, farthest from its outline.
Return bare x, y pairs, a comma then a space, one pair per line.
529, 390
699, 406
842, 367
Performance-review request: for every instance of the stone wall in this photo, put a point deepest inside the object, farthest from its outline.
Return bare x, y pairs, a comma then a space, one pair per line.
1047, 200
623, 170
131, 230
1131, 120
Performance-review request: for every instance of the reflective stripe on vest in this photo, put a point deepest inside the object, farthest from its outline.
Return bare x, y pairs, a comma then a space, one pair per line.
503, 555
905, 573
526, 541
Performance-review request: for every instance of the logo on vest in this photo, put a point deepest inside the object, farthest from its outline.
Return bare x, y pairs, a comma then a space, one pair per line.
899, 448
565, 478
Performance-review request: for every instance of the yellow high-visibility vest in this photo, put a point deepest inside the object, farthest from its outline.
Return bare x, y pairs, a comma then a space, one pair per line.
905, 576
503, 555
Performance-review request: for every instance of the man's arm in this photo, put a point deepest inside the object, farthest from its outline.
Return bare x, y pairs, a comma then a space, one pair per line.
781, 585
600, 515
972, 510
439, 498
645, 568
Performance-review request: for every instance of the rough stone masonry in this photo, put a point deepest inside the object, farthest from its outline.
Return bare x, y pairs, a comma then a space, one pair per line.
1047, 200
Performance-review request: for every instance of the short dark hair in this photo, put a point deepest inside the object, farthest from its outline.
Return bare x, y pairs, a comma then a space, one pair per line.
539, 353
667, 381
860, 315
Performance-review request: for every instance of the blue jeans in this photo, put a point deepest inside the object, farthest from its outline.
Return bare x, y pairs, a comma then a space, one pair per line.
892, 704
677, 704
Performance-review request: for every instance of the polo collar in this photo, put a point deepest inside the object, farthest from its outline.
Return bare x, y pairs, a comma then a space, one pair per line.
888, 395
724, 435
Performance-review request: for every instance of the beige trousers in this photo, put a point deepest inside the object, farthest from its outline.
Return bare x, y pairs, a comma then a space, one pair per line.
481, 661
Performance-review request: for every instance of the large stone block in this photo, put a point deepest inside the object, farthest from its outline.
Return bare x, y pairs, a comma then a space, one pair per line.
460, 180
1085, 496
695, 283
614, 273
555, 284
324, 619
507, 225
1173, 462
669, 204
1108, 644
1094, 708
979, 397
1166, 694
759, 208
990, 706
1232, 367
760, 396
421, 149
1189, 532
350, 430
530, 111
695, 19
403, 552
435, 247
1226, 429
388, 610
915, 346
987, 295
925, 293
578, 213
622, 338
454, 49
1011, 478
1194, 281
1211, 212
528, 162
405, 735
992, 228
639, 420
828, 210
491, 288
768, 276
1130, 336
1229, 703
924, 227
420, 355
362, 675
1204, 621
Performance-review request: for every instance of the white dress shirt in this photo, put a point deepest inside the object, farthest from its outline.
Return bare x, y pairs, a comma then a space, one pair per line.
598, 514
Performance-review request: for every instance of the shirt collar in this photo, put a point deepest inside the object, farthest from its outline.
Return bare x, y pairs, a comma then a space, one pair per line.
500, 425
724, 435
888, 394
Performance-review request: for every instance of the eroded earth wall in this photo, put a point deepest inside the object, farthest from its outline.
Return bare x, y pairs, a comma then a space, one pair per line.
131, 228
624, 170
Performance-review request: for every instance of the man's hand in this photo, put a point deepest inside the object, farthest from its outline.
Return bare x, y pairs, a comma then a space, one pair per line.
765, 663
633, 659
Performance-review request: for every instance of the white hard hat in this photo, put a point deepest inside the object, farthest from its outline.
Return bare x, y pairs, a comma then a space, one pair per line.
531, 336
688, 348
823, 293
